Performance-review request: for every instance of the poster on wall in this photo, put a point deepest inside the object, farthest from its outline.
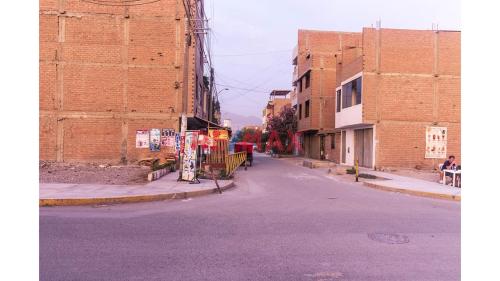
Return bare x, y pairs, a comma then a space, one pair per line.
189, 155
218, 134
142, 139
168, 138
154, 140
177, 142
436, 139
203, 140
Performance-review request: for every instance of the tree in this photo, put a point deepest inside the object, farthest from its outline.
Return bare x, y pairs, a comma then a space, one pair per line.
285, 124
247, 135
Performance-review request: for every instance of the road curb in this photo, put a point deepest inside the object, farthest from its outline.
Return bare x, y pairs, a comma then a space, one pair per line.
414, 192
130, 199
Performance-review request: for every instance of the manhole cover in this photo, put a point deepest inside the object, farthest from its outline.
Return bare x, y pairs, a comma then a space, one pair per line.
389, 238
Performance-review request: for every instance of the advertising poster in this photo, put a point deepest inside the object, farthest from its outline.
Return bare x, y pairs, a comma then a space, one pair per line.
218, 134
168, 138
177, 142
142, 139
154, 140
435, 142
189, 156
203, 140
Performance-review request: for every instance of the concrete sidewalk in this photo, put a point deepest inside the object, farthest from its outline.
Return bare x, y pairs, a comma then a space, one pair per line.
61, 194
391, 182
412, 186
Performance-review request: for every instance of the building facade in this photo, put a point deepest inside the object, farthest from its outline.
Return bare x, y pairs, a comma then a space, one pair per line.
391, 89
108, 71
314, 80
278, 100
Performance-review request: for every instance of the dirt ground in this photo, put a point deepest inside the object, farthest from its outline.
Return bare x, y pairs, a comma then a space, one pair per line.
418, 174
51, 172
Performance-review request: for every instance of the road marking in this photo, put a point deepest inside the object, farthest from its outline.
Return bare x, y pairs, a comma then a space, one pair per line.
326, 275
301, 176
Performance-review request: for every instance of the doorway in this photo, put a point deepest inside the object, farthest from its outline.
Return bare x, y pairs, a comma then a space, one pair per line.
344, 147
363, 147
322, 147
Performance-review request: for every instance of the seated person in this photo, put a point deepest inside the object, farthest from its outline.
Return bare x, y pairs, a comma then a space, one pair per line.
449, 164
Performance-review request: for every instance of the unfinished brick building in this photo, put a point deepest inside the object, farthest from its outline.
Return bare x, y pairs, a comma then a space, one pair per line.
109, 70
391, 88
314, 81
377, 95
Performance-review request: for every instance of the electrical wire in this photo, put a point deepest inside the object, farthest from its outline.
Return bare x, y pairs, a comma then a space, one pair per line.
244, 89
253, 54
120, 2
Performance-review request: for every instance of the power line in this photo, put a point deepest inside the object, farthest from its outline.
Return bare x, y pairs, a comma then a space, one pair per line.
244, 89
120, 2
253, 54
256, 73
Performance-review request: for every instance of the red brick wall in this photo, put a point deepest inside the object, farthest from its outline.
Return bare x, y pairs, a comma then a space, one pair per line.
333, 154
47, 131
106, 71
322, 46
100, 143
417, 84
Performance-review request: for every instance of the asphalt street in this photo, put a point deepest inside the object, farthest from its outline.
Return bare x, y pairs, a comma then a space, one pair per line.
280, 222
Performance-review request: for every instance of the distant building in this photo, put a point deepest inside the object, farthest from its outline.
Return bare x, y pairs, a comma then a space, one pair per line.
252, 127
226, 123
278, 100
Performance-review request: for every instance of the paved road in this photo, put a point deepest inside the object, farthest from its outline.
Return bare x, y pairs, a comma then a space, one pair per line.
282, 222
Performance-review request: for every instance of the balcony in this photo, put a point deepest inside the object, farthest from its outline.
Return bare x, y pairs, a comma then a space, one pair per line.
349, 117
350, 102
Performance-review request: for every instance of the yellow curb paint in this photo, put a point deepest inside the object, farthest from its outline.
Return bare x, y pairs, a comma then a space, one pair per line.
129, 199
414, 192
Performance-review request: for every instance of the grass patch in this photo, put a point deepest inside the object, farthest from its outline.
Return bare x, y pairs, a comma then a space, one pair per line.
367, 176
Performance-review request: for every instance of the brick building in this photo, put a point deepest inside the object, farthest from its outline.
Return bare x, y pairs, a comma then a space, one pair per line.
278, 99
390, 89
390, 86
107, 71
314, 80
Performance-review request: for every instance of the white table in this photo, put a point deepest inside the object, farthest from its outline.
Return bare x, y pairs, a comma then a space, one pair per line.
454, 173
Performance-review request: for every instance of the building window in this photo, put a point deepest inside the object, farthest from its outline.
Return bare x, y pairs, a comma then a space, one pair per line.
339, 99
357, 88
308, 79
351, 93
300, 111
307, 109
300, 86
332, 141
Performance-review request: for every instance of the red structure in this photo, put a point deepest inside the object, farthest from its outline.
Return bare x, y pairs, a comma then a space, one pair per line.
245, 146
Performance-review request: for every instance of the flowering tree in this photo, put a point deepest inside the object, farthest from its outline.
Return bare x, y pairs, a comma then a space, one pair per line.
281, 127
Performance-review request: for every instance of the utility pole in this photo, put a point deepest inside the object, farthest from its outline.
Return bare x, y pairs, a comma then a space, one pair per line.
211, 91
185, 80
185, 84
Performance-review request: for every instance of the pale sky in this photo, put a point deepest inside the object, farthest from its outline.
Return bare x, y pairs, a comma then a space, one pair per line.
252, 41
